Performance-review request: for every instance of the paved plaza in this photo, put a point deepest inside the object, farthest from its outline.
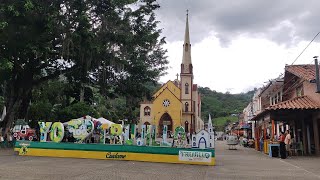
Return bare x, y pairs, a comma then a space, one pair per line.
243, 163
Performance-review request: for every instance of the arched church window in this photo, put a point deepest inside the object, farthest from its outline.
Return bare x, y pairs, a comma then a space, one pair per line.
186, 88
186, 107
147, 111
186, 47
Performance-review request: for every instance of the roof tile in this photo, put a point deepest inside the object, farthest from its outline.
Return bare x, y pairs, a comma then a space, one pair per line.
305, 71
302, 102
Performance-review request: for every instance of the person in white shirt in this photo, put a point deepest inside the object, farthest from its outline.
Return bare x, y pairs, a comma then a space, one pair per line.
287, 141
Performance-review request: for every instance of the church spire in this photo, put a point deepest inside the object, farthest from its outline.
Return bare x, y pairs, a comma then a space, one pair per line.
186, 34
209, 121
186, 66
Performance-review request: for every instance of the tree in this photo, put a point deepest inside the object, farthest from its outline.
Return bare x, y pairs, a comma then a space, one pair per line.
82, 39
29, 36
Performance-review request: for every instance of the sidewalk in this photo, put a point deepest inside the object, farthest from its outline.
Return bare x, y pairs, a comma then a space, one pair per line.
308, 164
6, 152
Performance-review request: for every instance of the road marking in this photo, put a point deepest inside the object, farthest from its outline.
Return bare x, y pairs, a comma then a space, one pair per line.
318, 176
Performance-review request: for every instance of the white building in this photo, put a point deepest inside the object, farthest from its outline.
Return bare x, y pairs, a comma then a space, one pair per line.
204, 139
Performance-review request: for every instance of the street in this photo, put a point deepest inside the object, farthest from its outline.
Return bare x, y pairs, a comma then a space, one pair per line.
243, 163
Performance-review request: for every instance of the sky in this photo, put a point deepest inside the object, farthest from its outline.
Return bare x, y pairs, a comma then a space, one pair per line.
238, 45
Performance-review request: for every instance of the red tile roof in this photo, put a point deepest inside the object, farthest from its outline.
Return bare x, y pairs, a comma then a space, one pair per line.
305, 71
302, 102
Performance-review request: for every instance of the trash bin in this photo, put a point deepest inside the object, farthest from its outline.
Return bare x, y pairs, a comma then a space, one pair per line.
275, 151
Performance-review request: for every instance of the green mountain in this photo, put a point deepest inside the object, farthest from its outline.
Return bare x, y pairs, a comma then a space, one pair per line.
223, 107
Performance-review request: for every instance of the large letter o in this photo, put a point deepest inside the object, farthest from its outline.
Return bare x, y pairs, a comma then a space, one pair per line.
57, 132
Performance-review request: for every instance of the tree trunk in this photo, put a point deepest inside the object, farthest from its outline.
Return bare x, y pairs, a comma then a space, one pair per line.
17, 90
13, 105
81, 92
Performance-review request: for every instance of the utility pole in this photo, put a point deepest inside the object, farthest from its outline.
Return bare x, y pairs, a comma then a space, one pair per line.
317, 73
238, 124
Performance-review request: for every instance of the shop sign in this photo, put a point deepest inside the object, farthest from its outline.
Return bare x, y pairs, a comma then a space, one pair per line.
195, 156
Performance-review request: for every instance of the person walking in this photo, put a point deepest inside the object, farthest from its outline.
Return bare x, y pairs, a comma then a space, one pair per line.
282, 146
188, 138
287, 141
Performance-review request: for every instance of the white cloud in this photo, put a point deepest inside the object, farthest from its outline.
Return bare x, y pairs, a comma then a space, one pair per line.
246, 63
238, 45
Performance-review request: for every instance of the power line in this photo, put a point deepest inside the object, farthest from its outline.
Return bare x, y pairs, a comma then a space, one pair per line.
306, 47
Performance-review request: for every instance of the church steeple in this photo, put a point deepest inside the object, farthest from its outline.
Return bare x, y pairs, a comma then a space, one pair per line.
186, 66
186, 34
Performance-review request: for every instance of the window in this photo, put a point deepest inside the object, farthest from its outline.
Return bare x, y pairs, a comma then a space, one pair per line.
299, 91
147, 111
186, 88
186, 47
186, 107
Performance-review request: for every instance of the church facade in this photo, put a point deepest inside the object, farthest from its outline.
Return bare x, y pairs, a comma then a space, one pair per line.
178, 102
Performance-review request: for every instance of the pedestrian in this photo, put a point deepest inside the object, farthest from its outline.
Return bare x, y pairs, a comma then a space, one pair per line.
282, 146
287, 141
188, 138
1, 141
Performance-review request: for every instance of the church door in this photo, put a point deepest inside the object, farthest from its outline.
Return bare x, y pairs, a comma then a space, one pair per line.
165, 120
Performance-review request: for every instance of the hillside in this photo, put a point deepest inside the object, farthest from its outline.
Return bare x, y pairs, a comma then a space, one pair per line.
222, 105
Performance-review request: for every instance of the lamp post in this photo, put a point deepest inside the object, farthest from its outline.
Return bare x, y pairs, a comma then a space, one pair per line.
238, 124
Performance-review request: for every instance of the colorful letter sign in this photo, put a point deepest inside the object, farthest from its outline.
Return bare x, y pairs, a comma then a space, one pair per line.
57, 132
44, 130
80, 129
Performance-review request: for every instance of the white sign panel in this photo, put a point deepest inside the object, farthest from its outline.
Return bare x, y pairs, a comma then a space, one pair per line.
195, 156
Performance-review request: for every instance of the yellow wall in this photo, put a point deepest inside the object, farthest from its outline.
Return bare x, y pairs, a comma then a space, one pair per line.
170, 85
164, 158
174, 109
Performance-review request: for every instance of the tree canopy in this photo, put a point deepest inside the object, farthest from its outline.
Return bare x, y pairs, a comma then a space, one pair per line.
114, 46
223, 104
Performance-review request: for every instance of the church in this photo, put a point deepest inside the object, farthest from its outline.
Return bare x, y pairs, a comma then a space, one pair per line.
177, 102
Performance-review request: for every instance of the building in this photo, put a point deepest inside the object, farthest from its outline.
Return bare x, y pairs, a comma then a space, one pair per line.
178, 102
204, 138
262, 98
294, 105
